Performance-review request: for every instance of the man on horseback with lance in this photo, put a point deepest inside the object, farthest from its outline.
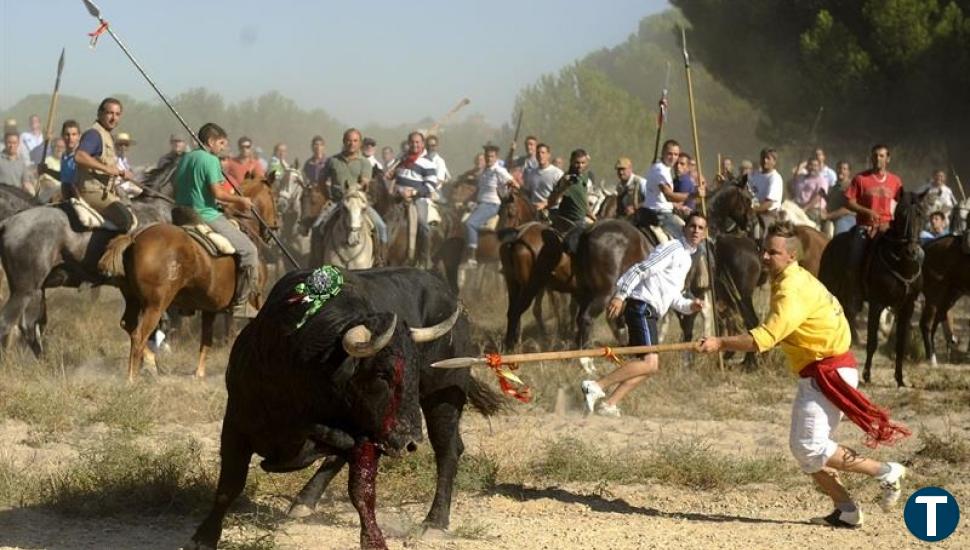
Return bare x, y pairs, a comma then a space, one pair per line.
98, 173
659, 197
199, 187
808, 323
349, 172
768, 188
570, 200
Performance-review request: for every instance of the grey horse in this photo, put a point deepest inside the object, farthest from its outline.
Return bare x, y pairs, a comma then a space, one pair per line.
14, 199
42, 247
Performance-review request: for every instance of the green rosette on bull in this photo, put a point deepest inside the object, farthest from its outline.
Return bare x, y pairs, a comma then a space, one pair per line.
322, 284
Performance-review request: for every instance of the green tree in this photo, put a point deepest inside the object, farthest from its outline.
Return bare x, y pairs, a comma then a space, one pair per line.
893, 71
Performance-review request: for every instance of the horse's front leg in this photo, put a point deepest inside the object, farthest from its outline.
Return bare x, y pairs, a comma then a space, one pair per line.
902, 336
872, 337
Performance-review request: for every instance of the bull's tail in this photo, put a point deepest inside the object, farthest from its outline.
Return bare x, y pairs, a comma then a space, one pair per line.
112, 262
486, 400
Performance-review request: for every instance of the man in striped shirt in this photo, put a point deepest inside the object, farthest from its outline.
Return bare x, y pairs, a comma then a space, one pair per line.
416, 178
649, 288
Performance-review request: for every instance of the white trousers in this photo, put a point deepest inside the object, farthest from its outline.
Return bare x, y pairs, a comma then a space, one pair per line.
813, 422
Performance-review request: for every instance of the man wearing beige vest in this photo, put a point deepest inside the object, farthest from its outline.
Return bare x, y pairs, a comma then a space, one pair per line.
97, 168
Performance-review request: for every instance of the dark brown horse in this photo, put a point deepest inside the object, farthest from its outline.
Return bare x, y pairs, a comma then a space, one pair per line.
946, 273
163, 266
606, 250
892, 276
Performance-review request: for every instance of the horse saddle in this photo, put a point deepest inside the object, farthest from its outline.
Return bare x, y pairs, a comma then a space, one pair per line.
490, 224
89, 219
213, 243
434, 213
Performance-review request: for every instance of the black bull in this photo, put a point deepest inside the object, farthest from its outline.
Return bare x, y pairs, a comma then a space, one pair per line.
302, 383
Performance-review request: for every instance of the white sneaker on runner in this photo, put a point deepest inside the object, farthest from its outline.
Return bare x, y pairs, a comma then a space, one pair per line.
889, 485
592, 392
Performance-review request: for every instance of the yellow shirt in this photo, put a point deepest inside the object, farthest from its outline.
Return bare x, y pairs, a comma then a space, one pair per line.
804, 318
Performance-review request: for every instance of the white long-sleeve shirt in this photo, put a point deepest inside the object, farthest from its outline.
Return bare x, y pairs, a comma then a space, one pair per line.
659, 280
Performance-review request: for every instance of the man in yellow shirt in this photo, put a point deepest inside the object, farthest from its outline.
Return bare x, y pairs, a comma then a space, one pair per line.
807, 321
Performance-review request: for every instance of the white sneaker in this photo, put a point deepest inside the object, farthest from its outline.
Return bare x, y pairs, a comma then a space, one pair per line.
593, 393
838, 518
889, 484
610, 411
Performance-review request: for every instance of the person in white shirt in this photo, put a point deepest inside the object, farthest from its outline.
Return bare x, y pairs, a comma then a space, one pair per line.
939, 196
767, 184
826, 172
659, 197
648, 289
493, 183
441, 169
32, 142
369, 150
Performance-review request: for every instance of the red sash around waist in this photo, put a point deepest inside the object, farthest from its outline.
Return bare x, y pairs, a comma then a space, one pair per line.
873, 420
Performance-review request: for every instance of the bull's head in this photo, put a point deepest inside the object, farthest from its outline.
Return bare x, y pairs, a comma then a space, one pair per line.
383, 389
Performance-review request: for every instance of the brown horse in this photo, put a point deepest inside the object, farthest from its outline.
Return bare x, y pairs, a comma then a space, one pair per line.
162, 266
946, 270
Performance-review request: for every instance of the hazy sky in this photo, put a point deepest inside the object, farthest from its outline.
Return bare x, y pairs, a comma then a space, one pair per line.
390, 62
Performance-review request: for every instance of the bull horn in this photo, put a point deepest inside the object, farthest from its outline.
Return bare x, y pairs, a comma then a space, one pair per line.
427, 334
359, 342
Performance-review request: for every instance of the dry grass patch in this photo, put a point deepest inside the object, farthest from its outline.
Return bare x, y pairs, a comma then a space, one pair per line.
948, 448
687, 463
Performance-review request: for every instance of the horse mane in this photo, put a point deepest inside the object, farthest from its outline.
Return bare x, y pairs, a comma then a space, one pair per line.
160, 177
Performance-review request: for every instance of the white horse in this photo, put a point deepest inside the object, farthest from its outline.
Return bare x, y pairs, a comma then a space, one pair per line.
347, 238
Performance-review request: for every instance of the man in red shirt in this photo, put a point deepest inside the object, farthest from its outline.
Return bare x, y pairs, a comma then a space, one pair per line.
871, 196
245, 163
872, 192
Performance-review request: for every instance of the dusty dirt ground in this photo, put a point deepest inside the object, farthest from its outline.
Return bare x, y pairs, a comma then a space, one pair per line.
520, 511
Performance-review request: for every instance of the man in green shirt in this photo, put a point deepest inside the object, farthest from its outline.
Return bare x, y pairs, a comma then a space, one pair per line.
198, 185
570, 193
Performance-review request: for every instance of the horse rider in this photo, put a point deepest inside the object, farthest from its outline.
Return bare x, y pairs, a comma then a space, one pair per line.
71, 134
643, 294
570, 200
808, 323
199, 186
440, 166
529, 160
657, 206
416, 178
313, 167
539, 181
176, 148
369, 149
493, 184
98, 172
870, 195
245, 162
346, 172
278, 163
128, 187
629, 188
768, 188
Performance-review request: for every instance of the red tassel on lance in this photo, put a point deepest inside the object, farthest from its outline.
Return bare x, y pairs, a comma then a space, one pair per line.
94, 35
494, 362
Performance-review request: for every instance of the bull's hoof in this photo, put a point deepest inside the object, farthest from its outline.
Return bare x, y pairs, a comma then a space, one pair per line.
298, 511
435, 533
194, 545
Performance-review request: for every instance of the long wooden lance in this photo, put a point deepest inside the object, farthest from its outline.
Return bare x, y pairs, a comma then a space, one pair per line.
963, 194
518, 358
454, 110
53, 108
700, 178
104, 26
661, 116
515, 139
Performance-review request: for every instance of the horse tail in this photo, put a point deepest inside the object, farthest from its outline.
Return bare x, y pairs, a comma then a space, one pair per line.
485, 400
112, 262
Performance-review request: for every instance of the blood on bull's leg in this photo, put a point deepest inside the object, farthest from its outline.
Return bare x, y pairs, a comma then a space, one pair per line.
362, 487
